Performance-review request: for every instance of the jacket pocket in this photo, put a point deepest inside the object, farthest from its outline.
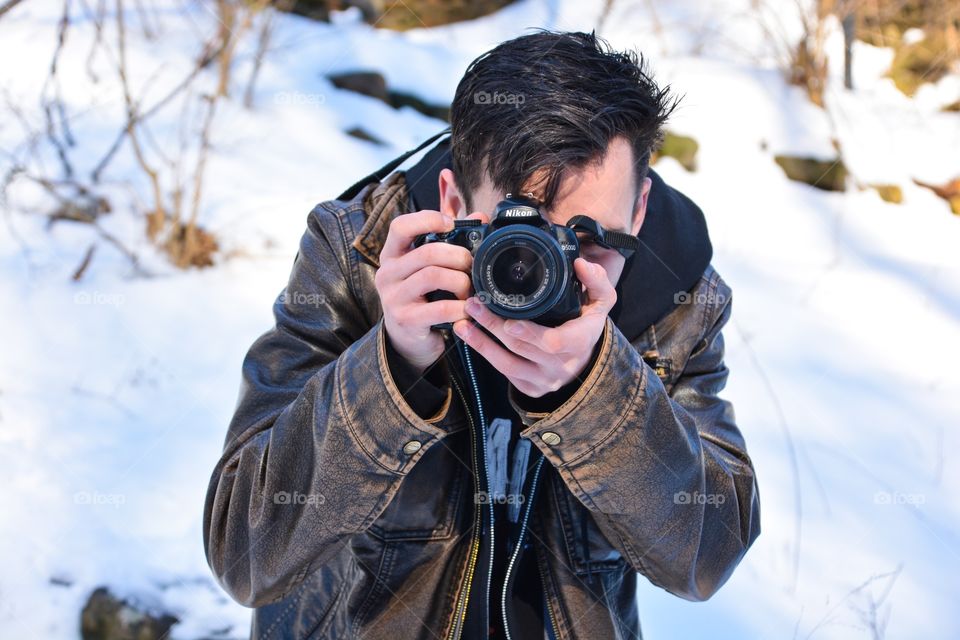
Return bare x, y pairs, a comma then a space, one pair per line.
426, 504
587, 547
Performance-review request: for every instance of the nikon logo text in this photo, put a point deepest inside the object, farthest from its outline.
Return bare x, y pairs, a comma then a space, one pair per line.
518, 212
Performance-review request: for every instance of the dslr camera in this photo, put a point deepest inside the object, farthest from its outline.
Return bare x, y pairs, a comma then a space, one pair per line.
523, 263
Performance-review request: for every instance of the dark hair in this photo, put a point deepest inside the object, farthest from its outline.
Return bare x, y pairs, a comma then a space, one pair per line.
552, 101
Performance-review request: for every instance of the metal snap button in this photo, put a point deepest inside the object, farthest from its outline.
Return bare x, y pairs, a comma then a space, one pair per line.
411, 447
550, 437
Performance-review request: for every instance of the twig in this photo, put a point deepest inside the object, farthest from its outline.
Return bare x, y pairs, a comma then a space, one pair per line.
791, 451
78, 273
9, 4
263, 42
158, 215
209, 54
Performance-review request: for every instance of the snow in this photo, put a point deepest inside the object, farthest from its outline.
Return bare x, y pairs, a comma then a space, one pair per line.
115, 392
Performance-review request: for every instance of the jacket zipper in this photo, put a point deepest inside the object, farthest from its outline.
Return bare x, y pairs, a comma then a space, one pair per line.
516, 552
546, 600
482, 468
457, 629
460, 610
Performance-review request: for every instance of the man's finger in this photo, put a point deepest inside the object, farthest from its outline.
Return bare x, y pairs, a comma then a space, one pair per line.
404, 228
601, 296
510, 365
440, 254
432, 277
495, 325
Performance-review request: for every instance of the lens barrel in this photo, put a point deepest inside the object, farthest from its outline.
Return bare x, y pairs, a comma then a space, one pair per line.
520, 272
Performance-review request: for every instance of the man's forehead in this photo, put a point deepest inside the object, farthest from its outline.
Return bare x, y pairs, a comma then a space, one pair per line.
611, 221
605, 190
609, 204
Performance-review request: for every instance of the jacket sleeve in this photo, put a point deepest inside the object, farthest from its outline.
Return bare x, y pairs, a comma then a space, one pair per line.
315, 447
427, 393
666, 476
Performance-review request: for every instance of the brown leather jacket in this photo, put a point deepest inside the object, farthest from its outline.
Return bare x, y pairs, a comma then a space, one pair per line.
339, 512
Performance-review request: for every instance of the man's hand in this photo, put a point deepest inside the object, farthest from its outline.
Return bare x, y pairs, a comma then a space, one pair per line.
406, 275
541, 359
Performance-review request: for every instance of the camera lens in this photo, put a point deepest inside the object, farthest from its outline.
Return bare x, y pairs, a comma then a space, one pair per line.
520, 271
517, 271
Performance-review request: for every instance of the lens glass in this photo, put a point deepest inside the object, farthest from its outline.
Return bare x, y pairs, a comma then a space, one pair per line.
517, 271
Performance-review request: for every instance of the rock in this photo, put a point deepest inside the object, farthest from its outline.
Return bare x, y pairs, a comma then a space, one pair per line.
314, 9
105, 617
374, 85
398, 99
368, 83
949, 192
829, 175
61, 581
923, 35
362, 134
919, 62
888, 192
409, 14
681, 148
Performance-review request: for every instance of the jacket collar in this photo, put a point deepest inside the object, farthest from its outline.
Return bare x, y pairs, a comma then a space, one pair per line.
382, 203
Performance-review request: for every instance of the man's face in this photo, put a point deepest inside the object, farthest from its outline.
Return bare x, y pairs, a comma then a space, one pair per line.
605, 191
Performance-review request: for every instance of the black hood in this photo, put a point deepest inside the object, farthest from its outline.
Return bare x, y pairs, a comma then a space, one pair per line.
674, 248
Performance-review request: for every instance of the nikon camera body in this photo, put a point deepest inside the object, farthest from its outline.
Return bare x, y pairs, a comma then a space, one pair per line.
522, 263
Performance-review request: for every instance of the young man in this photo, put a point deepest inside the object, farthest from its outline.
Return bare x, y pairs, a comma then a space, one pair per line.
384, 479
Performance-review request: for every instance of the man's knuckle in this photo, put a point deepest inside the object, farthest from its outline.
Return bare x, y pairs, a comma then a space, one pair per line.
397, 226
434, 252
551, 341
401, 316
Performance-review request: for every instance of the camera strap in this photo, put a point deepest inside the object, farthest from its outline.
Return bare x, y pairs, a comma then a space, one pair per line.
384, 171
623, 243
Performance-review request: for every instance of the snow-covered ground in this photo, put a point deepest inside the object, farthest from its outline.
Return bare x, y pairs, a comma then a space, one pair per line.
115, 392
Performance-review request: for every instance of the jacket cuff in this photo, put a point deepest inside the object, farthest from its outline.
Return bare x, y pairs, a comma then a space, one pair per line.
592, 413
378, 417
551, 401
429, 393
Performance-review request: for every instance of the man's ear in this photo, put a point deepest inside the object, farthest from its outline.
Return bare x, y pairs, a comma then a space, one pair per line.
640, 212
451, 202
